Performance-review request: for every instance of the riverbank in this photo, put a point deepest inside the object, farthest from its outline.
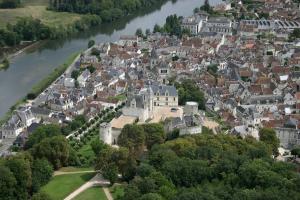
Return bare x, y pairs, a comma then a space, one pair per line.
40, 86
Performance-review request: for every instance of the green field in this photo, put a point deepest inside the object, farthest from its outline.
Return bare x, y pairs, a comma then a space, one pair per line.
37, 9
61, 186
94, 193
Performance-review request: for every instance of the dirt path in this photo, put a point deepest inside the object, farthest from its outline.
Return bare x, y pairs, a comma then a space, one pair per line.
97, 180
107, 193
57, 173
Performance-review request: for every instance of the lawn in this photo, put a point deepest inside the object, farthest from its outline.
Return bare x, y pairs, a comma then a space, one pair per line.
61, 186
37, 9
117, 190
93, 193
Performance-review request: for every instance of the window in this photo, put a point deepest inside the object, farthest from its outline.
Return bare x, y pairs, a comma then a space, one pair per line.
167, 98
174, 99
157, 98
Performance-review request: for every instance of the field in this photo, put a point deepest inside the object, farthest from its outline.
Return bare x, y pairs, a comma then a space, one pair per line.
93, 193
61, 186
37, 9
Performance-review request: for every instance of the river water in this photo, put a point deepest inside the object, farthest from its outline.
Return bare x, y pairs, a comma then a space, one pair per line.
30, 67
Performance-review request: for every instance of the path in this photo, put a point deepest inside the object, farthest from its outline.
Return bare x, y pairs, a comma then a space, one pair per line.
57, 173
107, 193
97, 180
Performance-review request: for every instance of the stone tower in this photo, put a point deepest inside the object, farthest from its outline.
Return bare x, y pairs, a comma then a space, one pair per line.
106, 133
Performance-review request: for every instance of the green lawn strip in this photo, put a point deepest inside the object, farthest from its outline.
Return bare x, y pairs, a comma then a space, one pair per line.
93, 193
63, 185
75, 169
117, 190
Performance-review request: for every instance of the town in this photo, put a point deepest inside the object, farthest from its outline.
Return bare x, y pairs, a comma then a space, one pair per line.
245, 71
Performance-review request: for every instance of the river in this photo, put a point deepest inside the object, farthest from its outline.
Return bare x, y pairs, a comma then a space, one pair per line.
30, 67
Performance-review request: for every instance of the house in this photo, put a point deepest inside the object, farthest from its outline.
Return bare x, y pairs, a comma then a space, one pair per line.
221, 25
128, 40
69, 82
83, 77
164, 95
193, 23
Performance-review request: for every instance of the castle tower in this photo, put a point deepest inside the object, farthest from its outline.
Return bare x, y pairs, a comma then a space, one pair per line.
105, 133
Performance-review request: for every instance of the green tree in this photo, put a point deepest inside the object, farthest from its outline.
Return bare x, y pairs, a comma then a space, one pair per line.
269, 137
139, 32
155, 134
75, 73
91, 43
151, 196
110, 172
41, 196
56, 150
42, 132
8, 183
41, 173
132, 137
20, 168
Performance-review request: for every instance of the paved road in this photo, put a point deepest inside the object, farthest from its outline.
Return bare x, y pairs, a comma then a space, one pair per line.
97, 180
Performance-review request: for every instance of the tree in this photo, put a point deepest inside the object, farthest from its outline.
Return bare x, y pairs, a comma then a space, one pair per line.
8, 183
95, 51
20, 168
41, 173
110, 172
132, 137
56, 150
139, 32
42, 132
97, 146
206, 7
151, 196
91, 43
296, 151
157, 29
155, 134
75, 73
268, 136
41, 196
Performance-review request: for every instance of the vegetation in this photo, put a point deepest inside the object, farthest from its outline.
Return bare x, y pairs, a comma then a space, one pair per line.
4, 64
10, 3
188, 91
93, 193
61, 186
108, 10
212, 167
294, 35
21, 175
117, 191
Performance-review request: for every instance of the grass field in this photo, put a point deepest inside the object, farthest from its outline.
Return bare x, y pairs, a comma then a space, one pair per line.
61, 186
37, 9
94, 193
